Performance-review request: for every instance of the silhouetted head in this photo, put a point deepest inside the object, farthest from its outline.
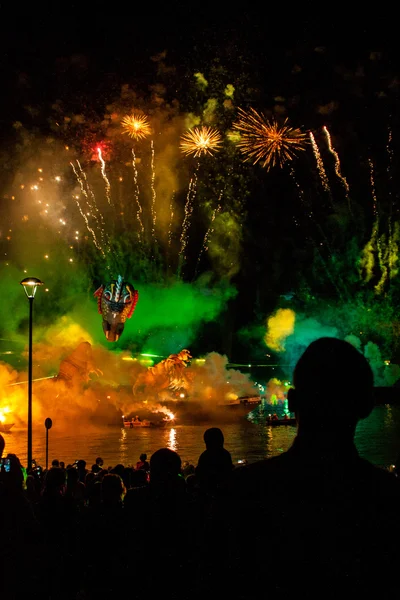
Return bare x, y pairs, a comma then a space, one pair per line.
55, 463
165, 465
72, 476
143, 457
2, 445
213, 438
54, 482
333, 387
138, 478
113, 489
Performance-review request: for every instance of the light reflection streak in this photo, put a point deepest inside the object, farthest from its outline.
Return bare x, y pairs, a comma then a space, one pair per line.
123, 446
172, 439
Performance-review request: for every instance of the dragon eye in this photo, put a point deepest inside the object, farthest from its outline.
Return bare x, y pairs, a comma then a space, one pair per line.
127, 299
107, 295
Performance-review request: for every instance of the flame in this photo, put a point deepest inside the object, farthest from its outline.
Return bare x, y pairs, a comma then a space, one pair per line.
3, 412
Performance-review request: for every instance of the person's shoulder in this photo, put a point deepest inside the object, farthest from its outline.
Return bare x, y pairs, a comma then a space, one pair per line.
258, 471
380, 478
203, 456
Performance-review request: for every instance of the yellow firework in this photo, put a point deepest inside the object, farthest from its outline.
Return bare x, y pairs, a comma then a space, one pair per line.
266, 141
137, 126
201, 140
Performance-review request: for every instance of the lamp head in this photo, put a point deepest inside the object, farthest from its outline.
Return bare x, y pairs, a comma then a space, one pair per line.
30, 285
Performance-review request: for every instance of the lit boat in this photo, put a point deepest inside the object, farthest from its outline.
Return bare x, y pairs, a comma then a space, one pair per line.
5, 427
138, 423
248, 403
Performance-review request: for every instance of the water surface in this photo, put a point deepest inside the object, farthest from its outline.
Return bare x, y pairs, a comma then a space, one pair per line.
377, 439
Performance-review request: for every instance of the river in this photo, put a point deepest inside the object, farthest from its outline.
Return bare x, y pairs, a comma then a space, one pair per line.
377, 439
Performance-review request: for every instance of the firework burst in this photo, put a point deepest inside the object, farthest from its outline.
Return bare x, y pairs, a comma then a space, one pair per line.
136, 126
200, 140
266, 141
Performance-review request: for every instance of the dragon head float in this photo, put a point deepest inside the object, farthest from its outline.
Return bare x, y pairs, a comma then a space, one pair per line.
116, 302
184, 357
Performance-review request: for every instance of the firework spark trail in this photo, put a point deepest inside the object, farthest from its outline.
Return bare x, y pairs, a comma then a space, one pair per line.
103, 172
373, 192
153, 194
337, 159
311, 216
389, 150
208, 233
375, 232
337, 168
136, 192
91, 204
83, 214
320, 165
171, 219
94, 209
186, 220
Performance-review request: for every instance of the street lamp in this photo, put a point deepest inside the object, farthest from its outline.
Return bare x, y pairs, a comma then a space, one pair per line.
30, 286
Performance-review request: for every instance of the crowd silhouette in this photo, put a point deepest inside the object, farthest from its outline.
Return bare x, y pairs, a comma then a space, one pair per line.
315, 521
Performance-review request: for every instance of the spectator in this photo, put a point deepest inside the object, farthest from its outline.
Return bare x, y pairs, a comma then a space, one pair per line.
98, 465
330, 517
188, 469
21, 555
113, 490
143, 463
76, 489
82, 470
215, 463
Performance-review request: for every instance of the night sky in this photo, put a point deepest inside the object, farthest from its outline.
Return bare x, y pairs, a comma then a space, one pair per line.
330, 70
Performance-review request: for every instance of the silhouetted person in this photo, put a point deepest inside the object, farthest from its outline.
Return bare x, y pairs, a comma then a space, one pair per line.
21, 557
82, 470
106, 541
143, 463
215, 463
324, 521
163, 526
98, 465
75, 489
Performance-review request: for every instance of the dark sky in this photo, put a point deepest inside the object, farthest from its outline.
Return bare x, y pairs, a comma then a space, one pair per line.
121, 40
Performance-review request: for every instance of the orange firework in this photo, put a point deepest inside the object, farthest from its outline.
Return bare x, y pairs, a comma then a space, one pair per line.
198, 141
136, 126
266, 141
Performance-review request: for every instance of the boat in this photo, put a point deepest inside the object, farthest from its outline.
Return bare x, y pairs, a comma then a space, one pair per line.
275, 422
247, 403
138, 423
6, 427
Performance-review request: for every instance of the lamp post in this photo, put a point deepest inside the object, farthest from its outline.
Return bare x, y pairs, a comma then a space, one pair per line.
30, 286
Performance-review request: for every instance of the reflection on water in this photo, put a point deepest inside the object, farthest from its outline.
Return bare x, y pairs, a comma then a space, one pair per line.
123, 446
172, 439
377, 439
